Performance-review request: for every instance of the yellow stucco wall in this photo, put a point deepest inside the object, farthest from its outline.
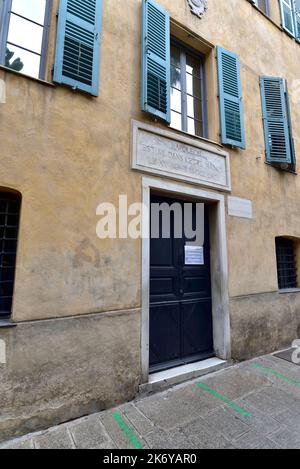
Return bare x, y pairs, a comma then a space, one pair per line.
66, 153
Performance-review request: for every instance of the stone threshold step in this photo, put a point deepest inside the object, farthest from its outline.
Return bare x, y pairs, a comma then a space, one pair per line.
166, 379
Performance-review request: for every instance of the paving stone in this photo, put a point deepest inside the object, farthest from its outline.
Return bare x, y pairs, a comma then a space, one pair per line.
259, 421
291, 420
118, 436
264, 403
224, 423
203, 437
254, 440
18, 444
289, 401
90, 434
59, 438
286, 439
140, 422
289, 370
176, 407
160, 439
237, 381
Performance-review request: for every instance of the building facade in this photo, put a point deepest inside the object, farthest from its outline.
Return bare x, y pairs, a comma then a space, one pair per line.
140, 102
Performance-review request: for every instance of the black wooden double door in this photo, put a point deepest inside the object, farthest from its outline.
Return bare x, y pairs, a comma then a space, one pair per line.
181, 330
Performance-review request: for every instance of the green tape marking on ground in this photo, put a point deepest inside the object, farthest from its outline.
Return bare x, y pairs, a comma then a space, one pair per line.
269, 371
127, 430
224, 399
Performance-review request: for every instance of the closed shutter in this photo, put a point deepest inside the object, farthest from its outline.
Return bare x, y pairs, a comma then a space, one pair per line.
275, 118
155, 93
287, 15
78, 44
231, 102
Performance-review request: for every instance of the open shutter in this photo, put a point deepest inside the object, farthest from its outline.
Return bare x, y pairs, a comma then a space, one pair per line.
78, 44
231, 102
155, 93
262, 5
289, 118
297, 18
287, 15
275, 118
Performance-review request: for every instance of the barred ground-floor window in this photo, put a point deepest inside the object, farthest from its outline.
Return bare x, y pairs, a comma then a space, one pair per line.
286, 263
10, 204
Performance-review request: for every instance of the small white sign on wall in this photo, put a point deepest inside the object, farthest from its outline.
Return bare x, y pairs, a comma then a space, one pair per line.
241, 208
2, 352
2, 92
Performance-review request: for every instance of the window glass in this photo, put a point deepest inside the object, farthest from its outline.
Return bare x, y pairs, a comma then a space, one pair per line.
176, 100
25, 33
23, 50
176, 120
186, 91
31, 9
24, 61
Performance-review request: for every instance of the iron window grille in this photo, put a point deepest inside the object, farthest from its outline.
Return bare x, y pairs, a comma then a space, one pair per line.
286, 264
9, 225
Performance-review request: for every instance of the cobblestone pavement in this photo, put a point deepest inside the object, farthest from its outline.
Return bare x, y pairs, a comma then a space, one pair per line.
255, 404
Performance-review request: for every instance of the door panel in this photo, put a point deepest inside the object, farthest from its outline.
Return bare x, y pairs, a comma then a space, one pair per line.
164, 333
196, 328
180, 300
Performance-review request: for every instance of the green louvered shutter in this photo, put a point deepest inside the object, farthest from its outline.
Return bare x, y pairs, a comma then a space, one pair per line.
297, 18
231, 102
287, 16
155, 94
78, 44
275, 119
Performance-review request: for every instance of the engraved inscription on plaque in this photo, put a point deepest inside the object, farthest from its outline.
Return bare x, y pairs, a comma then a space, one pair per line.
170, 155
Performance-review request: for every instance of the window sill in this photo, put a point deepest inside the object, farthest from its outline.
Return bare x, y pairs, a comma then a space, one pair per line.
201, 139
284, 170
289, 290
28, 77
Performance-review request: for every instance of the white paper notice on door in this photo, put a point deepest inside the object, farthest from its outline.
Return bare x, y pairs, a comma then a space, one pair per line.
194, 255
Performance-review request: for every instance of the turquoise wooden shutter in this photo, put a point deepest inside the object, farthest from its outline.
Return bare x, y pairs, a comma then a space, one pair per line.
155, 93
275, 119
231, 102
297, 18
289, 118
287, 16
78, 44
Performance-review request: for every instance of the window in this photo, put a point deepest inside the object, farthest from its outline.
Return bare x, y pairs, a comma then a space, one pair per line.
290, 14
263, 5
9, 224
286, 263
187, 91
23, 35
